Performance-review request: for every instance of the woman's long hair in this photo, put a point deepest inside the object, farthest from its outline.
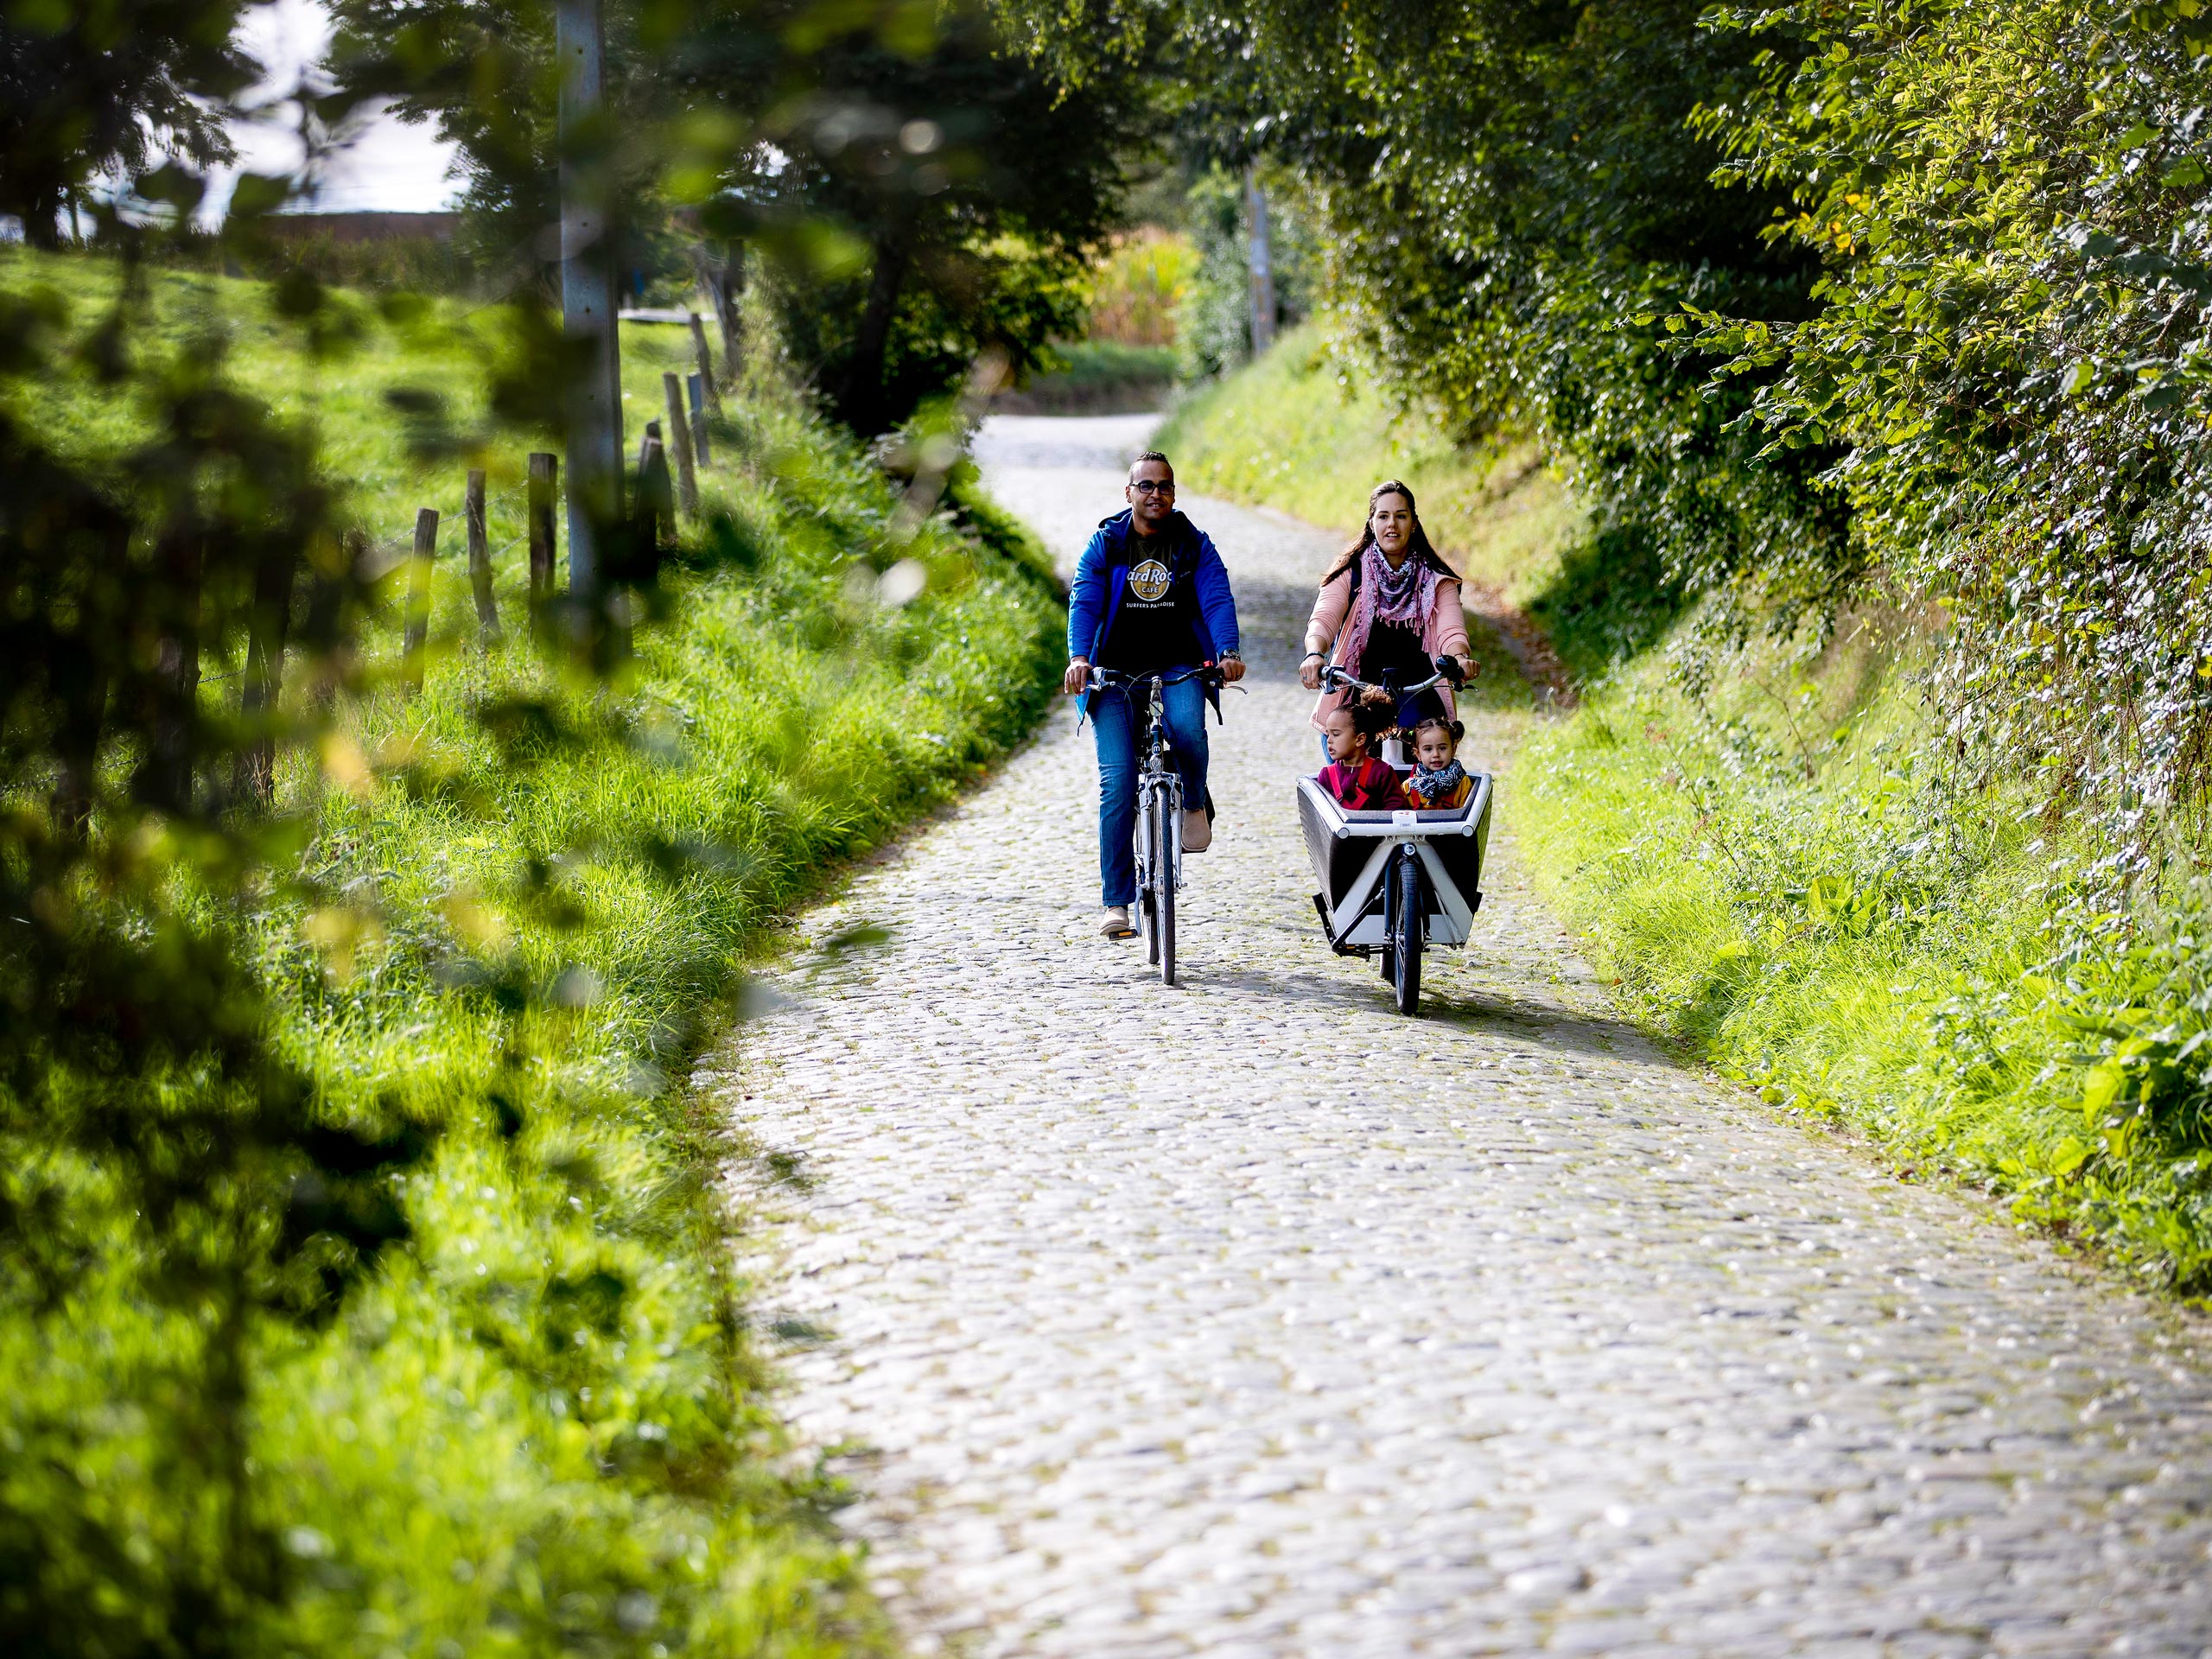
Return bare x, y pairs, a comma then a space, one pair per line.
1417, 545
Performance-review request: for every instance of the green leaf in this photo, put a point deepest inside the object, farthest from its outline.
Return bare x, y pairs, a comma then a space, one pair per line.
2078, 379
1828, 897
2184, 173
2068, 1156
2100, 1088
2138, 136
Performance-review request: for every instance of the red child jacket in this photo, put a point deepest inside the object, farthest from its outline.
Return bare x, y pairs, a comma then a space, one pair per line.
1374, 787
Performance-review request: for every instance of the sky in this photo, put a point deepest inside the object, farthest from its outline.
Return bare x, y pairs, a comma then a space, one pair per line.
384, 167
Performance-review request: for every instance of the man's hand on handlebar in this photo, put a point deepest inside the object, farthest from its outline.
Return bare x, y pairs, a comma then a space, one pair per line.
1232, 670
1078, 678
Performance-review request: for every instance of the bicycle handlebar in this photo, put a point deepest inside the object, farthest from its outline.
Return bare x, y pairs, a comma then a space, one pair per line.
1334, 678
1107, 677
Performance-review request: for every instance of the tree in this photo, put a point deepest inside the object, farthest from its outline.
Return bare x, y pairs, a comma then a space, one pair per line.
103, 87
964, 185
980, 187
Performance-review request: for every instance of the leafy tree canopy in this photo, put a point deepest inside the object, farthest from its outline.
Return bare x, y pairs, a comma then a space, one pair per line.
922, 195
102, 87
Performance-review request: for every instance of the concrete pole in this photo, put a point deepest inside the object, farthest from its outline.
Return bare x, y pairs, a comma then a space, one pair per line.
587, 301
1263, 265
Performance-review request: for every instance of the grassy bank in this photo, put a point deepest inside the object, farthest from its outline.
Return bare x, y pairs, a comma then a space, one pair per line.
538, 1424
1784, 874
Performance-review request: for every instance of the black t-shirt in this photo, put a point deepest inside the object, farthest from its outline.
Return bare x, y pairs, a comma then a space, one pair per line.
1393, 645
1151, 630
1396, 645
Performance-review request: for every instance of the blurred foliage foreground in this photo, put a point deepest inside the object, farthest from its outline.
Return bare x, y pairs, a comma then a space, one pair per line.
363, 1286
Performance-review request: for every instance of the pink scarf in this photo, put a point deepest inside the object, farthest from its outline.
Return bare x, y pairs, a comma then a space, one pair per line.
1406, 595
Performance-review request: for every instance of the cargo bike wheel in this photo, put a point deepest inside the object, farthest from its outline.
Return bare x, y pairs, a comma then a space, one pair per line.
1405, 928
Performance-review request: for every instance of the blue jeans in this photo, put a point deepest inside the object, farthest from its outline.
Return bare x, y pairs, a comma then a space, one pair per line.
1117, 720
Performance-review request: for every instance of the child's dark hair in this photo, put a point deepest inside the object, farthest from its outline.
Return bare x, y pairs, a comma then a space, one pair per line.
1453, 728
1376, 712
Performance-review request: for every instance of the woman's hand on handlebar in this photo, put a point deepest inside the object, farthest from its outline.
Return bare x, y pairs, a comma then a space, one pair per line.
1309, 671
1078, 678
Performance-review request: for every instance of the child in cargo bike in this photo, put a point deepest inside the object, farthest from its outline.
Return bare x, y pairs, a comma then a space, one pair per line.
1359, 782
1438, 782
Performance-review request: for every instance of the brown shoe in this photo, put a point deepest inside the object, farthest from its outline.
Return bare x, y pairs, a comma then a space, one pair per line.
1198, 830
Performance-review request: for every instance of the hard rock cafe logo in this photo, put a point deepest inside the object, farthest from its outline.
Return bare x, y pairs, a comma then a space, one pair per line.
1149, 581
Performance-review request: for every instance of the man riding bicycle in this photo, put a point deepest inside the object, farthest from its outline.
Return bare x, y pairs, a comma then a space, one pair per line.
1150, 596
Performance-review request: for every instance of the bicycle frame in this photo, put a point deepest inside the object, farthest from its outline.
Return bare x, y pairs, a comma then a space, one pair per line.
1159, 791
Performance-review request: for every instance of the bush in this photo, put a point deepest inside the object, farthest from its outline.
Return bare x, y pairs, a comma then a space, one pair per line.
2014, 211
1137, 287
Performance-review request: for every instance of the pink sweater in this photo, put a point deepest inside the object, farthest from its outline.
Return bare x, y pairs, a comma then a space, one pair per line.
1443, 633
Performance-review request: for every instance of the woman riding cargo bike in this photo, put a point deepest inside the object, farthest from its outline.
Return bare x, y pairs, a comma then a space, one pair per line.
1397, 848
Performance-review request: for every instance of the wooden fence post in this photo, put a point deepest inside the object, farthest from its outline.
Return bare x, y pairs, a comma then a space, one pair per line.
165, 774
418, 598
655, 515
691, 386
254, 771
706, 365
543, 492
720, 280
321, 630
679, 441
81, 674
480, 561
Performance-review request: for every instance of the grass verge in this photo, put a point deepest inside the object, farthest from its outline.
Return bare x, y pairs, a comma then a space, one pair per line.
538, 1425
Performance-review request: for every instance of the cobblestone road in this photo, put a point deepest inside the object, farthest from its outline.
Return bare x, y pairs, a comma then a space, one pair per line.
1249, 1319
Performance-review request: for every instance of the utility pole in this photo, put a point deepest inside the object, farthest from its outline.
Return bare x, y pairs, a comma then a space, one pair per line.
588, 303
1262, 264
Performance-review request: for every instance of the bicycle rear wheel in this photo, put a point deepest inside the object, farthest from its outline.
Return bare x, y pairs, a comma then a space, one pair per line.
1167, 822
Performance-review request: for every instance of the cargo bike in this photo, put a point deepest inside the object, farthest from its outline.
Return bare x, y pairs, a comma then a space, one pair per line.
1392, 884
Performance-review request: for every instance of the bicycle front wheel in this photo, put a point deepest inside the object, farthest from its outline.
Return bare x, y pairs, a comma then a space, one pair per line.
1147, 863
1167, 830
1409, 926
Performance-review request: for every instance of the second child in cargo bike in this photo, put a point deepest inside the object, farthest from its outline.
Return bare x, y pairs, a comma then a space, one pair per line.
1150, 596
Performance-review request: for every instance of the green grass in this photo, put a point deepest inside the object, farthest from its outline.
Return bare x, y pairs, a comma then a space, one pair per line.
1099, 377
540, 1424
1783, 876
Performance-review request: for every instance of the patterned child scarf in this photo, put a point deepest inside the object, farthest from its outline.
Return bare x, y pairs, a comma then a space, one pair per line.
1435, 786
1406, 595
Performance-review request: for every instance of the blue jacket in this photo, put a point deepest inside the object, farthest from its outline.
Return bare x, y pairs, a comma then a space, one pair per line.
1101, 575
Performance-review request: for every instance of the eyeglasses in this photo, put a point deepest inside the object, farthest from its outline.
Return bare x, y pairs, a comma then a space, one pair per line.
1152, 485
